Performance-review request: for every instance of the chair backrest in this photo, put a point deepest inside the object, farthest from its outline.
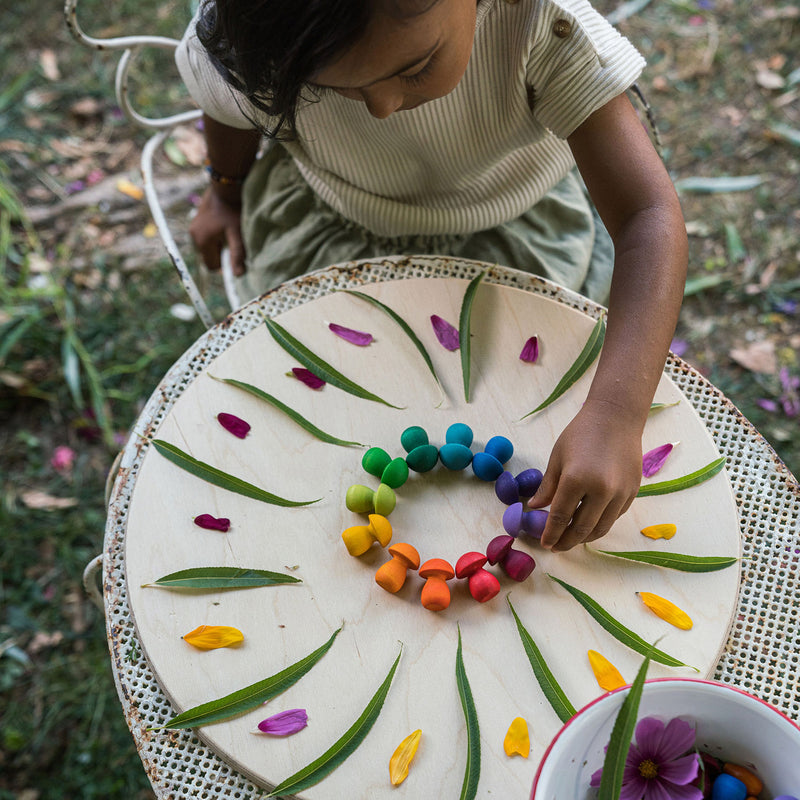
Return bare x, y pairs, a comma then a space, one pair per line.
131, 46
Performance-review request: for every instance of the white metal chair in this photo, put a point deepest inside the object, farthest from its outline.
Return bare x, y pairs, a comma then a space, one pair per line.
163, 127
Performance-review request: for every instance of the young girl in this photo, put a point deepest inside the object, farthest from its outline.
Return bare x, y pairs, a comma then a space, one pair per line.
453, 126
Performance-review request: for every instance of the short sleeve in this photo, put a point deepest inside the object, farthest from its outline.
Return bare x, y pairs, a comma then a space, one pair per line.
207, 87
577, 63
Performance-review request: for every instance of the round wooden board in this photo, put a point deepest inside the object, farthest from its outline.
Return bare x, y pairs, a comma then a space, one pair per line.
442, 513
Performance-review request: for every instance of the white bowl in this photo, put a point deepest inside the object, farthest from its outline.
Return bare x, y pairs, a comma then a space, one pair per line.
731, 724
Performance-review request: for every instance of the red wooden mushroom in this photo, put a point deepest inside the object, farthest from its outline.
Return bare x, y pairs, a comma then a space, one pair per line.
482, 584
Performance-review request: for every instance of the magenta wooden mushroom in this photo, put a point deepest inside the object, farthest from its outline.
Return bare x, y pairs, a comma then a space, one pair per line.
482, 584
516, 564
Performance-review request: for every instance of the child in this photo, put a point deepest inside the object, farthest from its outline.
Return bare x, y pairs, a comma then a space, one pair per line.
453, 126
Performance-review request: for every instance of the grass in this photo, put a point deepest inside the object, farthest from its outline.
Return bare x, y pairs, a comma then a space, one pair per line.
84, 339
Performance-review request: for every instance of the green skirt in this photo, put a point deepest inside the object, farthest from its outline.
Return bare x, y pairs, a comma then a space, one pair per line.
288, 231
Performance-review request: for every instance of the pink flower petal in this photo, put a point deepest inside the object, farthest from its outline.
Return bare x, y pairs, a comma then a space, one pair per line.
285, 723
530, 350
654, 459
354, 337
649, 731
212, 523
233, 424
445, 333
62, 459
680, 770
307, 377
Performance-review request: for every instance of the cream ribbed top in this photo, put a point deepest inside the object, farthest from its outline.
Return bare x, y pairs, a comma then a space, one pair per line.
468, 161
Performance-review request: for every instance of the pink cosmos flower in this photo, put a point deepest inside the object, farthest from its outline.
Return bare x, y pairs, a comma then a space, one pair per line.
285, 723
656, 767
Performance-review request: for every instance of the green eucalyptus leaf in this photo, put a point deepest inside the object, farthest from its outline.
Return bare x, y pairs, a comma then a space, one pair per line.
464, 323
251, 696
621, 735
221, 578
592, 348
340, 750
403, 325
618, 630
472, 771
679, 561
319, 367
655, 407
290, 412
684, 482
547, 681
219, 478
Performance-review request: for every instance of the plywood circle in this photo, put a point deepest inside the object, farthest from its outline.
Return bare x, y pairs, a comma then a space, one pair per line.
443, 514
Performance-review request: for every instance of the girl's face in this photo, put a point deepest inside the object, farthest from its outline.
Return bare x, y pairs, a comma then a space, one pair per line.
401, 63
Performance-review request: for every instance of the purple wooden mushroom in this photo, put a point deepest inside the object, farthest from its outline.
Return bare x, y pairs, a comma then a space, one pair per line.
517, 520
516, 564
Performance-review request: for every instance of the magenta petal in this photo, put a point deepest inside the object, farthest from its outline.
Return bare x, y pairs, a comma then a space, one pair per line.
633, 790
679, 770
285, 723
675, 792
677, 738
233, 424
445, 333
656, 790
354, 337
307, 377
530, 350
212, 523
767, 405
596, 777
654, 459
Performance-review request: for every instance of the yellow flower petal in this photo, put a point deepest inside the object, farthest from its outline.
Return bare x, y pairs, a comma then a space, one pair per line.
131, 189
517, 741
665, 530
608, 676
666, 610
210, 637
403, 756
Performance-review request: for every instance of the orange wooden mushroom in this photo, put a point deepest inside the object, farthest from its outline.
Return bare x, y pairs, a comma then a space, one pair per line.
435, 592
392, 575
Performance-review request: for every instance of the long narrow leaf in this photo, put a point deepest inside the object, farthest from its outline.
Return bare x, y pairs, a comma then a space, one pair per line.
340, 750
290, 412
221, 578
679, 561
472, 771
319, 367
403, 325
592, 348
251, 696
222, 479
621, 735
684, 482
723, 183
547, 682
464, 324
618, 630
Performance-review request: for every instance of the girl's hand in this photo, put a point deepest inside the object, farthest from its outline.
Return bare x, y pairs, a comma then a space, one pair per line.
592, 476
218, 224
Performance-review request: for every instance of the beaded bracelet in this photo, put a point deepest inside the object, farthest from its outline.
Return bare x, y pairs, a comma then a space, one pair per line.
218, 177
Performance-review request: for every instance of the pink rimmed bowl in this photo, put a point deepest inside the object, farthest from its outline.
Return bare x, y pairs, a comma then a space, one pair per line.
731, 725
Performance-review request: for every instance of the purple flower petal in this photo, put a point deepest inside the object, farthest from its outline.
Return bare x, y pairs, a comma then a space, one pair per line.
684, 792
530, 350
285, 723
445, 333
679, 347
354, 337
307, 377
654, 459
596, 776
767, 405
212, 523
680, 770
233, 424
633, 790
677, 738
649, 731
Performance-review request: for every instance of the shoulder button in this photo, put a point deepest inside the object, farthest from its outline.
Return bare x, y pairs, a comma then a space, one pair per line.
562, 28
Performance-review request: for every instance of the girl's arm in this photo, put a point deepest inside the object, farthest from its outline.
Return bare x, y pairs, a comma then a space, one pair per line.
217, 224
595, 467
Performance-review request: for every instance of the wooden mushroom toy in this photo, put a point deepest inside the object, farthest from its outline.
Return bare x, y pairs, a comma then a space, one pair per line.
482, 584
359, 538
516, 564
436, 592
392, 575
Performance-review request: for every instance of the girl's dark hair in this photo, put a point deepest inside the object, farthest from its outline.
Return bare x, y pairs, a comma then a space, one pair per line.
269, 50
